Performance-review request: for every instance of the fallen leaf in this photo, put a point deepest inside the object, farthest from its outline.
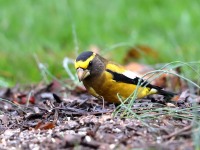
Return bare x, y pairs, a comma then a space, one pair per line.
138, 52
45, 126
24, 99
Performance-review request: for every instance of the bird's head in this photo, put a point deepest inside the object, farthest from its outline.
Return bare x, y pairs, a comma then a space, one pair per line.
89, 64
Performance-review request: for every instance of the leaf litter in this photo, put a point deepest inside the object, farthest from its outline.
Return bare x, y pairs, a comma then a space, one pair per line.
56, 117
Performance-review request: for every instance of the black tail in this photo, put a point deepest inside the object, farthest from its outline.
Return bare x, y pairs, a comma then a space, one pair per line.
166, 93
162, 92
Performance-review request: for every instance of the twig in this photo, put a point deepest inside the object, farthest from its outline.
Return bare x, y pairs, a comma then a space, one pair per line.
85, 113
177, 132
10, 102
56, 114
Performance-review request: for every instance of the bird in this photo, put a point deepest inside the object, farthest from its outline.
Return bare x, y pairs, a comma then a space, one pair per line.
108, 80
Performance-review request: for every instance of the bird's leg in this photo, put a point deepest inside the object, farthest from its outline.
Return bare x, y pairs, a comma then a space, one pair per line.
91, 90
101, 97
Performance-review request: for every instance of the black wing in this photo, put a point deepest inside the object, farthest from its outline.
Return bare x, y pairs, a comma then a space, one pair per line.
122, 78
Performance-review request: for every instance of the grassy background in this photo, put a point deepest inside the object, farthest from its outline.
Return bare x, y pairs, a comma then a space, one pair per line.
54, 29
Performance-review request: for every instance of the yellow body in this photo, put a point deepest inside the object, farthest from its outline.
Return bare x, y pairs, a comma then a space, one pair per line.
108, 88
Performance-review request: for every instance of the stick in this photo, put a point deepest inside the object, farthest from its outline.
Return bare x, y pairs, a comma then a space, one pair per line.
177, 132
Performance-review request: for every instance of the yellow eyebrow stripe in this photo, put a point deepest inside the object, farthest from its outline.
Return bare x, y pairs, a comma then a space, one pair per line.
84, 64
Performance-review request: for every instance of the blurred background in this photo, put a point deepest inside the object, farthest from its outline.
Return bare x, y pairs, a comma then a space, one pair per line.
33, 31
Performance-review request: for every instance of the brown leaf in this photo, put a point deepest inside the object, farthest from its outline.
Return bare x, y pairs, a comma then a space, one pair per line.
23, 99
139, 51
175, 98
45, 126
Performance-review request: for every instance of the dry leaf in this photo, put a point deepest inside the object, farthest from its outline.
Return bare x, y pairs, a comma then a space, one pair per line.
45, 126
139, 51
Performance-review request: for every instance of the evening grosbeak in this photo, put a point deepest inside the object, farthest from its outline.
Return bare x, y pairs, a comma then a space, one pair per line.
105, 80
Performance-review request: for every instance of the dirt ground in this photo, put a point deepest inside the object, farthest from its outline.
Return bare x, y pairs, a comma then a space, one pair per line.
56, 117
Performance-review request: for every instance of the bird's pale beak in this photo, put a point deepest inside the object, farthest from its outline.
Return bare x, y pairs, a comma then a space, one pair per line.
82, 74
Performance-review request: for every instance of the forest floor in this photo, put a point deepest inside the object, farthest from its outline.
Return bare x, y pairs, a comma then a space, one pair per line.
55, 117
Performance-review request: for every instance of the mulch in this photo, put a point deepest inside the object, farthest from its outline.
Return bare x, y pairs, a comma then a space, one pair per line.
54, 116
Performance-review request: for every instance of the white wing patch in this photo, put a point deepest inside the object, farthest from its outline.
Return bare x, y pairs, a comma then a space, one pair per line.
131, 74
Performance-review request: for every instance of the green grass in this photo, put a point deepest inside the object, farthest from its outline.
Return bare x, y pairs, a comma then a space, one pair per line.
54, 29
